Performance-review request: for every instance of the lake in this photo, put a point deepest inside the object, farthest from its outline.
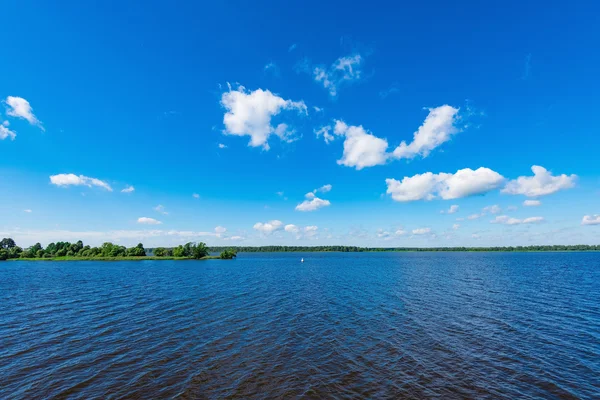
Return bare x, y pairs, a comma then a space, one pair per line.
343, 325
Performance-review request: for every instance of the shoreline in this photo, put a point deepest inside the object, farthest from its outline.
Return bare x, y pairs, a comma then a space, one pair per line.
146, 258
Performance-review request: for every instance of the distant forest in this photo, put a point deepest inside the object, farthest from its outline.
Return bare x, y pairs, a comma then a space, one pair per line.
355, 249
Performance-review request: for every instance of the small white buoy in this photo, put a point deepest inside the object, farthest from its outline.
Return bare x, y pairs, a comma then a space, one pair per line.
302, 260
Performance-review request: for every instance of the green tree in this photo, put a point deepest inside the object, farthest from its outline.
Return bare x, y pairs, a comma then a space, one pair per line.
3, 254
7, 243
199, 250
179, 251
15, 252
160, 252
61, 253
228, 254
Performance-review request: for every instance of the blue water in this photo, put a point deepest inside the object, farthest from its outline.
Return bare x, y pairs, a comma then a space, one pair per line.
352, 325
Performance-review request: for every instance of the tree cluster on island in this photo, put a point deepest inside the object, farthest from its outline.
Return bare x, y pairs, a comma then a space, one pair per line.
67, 250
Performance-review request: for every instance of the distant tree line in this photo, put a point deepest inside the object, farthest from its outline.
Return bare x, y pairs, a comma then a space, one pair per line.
9, 249
355, 249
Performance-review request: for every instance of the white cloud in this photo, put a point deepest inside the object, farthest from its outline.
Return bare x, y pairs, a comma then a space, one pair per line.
591, 220
342, 71
504, 219
455, 226
495, 209
236, 238
292, 228
421, 231
220, 230
196, 195
148, 221
222, 146
532, 203
312, 204
292, 47
318, 109
5, 132
453, 209
310, 231
128, 189
400, 232
427, 186
475, 216
160, 209
325, 131
361, 148
18, 107
268, 227
324, 188
64, 180
541, 183
27, 210
438, 127
250, 113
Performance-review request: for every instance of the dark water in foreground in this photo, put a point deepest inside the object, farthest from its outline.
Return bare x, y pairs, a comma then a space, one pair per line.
378, 325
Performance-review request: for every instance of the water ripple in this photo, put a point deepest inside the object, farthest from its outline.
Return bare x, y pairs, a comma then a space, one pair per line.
342, 326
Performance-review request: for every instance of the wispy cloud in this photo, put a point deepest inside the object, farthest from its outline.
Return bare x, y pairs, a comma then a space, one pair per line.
128, 189
64, 180
18, 107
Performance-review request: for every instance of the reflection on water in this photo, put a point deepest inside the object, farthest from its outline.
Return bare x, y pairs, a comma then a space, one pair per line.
379, 325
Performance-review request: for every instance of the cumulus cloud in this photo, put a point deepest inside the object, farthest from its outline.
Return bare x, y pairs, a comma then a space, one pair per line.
5, 132
506, 220
532, 203
269, 227
540, 184
361, 148
18, 107
148, 221
250, 114
27, 210
128, 189
453, 209
222, 146
196, 195
495, 209
421, 231
220, 231
344, 70
64, 180
591, 219
438, 128
428, 186
292, 228
312, 203
455, 226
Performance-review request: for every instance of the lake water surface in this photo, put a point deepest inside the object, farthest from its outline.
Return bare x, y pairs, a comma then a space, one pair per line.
341, 325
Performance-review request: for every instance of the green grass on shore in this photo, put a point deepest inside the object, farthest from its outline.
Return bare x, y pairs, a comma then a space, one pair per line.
113, 258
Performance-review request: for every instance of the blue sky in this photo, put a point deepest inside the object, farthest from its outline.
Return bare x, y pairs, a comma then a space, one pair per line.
239, 123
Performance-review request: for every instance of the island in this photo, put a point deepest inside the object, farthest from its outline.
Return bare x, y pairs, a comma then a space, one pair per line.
66, 251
